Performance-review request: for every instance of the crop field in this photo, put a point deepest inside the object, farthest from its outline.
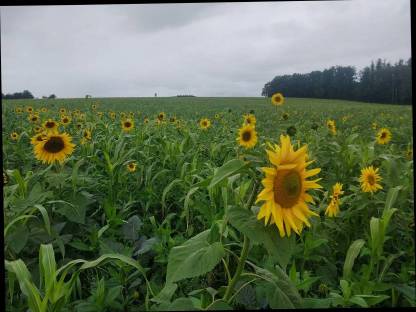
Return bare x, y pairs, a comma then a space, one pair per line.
189, 203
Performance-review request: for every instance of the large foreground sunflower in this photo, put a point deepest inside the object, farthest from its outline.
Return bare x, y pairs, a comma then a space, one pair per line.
383, 136
369, 180
278, 99
127, 125
55, 147
205, 123
285, 188
247, 136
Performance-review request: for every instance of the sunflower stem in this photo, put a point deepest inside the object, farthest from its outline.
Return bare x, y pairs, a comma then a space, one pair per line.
241, 262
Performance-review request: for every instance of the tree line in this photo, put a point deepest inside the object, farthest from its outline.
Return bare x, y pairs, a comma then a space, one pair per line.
26, 94
380, 82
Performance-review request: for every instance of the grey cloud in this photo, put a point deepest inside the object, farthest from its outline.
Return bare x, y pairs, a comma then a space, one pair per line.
222, 49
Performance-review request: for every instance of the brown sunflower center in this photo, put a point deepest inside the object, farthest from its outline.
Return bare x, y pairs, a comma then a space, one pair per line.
204, 123
34, 118
127, 124
287, 188
371, 179
65, 120
55, 144
383, 135
50, 124
246, 136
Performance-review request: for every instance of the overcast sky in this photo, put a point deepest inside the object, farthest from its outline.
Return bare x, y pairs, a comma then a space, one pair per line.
222, 49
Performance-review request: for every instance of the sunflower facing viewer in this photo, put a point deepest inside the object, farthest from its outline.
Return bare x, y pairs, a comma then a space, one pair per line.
54, 147
278, 99
383, 136
284, 194
247, 136
205, 123
127, 125
369, 180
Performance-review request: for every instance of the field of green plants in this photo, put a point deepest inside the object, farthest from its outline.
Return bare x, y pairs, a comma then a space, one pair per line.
135, 210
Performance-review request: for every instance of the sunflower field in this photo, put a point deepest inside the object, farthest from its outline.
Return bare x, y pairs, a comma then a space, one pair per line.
136, 204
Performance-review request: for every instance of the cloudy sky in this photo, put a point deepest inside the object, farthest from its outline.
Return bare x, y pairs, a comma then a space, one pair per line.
221, 49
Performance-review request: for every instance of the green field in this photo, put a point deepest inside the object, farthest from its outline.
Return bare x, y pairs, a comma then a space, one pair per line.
181, 231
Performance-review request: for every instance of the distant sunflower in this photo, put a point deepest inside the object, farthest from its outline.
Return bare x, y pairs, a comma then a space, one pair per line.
127, 125
172, 119
285, 116
18, 110
331, 126
38, 129
66, 120
55, 147
369, 179
278, 99
14, 136
33, 118
204, 123
247, 136
383, 136
50, 125
43, 109
86, 134
161, 116
78, 126
94, 106
62, 111
217, 116
29, 109
131, 167
250, 119
285, 187
333, 208
112, 115
38, 138
146, 120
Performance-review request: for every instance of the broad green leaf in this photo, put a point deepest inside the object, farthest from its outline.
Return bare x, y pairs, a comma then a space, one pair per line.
228, 169
132, 227
193, 258
352, 254
219, 305
391, 197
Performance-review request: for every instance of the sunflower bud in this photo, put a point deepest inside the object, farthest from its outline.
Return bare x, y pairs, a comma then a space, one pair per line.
291, 131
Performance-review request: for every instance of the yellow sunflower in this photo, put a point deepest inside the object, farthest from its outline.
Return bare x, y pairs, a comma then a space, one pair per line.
55, 147
204, 123
285, 187
127, 125
112, 115
383, 136
131, 167
146, 120
37, 138
50, 125
29, 109
161, 116
66, 120
14, 136
62, 111
94, 106
87, 134
38, 129
217, 116
43, 109
250, 119
33, 118
331, 126
278, 99
247, 136
369, 180
333, 208
18, 110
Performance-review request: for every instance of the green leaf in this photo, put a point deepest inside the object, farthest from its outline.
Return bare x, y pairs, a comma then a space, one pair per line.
167, 190
76, 210
228, 169
359, 301
219, 305
391, 197
45, 217
246, 222
18, 238
352, 254
132, 227
193, 258
180, 304
47, 267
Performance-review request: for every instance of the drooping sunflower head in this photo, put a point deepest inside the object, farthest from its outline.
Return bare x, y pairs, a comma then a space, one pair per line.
131, 167
14, 136
278, 99
127, 125
285, 188
86, 134
204, 123
331, 126
161, 116
37, 138
247, 136
55, 147
250, 119
383, 136
369, 180
66, 120
50, 125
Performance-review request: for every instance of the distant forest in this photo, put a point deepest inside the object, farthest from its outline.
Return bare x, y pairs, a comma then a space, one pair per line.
380, 82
